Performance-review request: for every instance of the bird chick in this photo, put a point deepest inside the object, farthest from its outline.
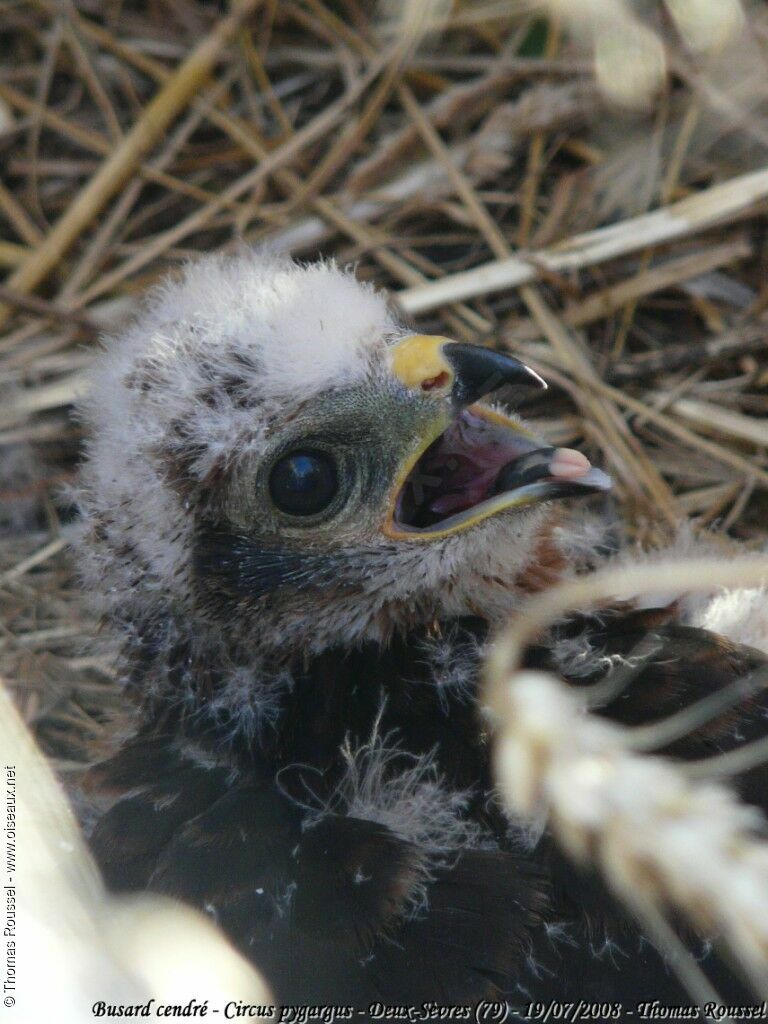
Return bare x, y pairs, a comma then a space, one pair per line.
277, 467
304, 519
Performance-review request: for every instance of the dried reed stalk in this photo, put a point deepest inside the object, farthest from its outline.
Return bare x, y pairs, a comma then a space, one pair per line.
678, 220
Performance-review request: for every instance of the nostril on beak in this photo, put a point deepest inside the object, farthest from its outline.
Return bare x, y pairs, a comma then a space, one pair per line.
418, 362
435, 383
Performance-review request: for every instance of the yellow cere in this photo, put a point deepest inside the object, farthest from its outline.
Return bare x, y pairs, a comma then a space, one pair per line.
418, 360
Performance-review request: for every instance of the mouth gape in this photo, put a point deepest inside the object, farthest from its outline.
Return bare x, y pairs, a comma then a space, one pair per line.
483, 463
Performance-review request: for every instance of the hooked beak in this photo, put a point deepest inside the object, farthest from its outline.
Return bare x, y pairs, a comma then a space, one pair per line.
477, 462
434, 364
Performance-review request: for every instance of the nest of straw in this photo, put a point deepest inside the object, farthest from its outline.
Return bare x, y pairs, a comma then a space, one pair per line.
485, 162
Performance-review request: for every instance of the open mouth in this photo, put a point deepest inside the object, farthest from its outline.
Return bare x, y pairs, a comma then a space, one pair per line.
482, 464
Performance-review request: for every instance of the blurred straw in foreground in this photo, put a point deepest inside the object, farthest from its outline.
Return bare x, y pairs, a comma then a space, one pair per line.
664, 835
629, 53
629, 56
75, 940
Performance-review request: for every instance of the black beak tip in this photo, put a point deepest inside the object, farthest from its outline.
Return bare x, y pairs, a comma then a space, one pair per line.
480, 370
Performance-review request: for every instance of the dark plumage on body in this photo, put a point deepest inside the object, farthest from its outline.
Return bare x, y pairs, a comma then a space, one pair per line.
305, 521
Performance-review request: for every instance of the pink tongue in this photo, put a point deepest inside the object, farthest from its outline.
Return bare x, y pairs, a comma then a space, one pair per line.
567, 464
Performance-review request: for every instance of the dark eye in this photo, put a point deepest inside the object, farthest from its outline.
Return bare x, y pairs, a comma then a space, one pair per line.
303, 483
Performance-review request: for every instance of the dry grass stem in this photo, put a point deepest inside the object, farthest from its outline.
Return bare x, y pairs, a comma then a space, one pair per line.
129, 152
613, 583
678, 220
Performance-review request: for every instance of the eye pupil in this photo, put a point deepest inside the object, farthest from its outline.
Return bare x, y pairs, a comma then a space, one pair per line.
303, 483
